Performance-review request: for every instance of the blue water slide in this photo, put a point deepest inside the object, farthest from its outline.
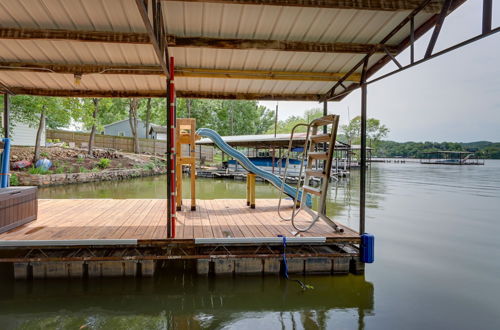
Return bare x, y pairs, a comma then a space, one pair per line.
247, 164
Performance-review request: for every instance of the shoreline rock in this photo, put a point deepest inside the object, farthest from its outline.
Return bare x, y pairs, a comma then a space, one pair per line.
44, 180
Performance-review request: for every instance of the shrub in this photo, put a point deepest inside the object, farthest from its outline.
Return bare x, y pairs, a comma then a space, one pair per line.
82, 169
49, 141
44, 154
14, 180
149, 166
103, 163
60, 170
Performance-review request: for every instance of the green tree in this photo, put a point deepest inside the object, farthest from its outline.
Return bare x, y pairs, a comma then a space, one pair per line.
40, 112
227, 117
133, 121
375, 131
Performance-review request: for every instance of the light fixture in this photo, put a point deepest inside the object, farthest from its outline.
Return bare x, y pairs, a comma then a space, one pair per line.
78, 78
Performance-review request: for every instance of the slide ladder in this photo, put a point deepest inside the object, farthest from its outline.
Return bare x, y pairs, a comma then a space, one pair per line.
318, 154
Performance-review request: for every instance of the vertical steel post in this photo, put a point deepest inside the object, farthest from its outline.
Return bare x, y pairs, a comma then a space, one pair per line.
172, 116
169, 155
362, 183
325, 112
487, 15
6, 114
412, 40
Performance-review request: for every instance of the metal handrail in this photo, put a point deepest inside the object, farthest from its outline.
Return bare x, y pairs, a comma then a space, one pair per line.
304, 155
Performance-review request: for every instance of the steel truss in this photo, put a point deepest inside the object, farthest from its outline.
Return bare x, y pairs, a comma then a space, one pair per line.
177, 252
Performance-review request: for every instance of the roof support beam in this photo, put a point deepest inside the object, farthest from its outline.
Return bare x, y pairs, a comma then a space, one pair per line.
161, 93
280, 45
83, 69
437, 28
264, 74
155, 28
487, 15
190, 42
383, 5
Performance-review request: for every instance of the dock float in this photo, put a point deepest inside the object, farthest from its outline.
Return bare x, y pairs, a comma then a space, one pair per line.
127, 237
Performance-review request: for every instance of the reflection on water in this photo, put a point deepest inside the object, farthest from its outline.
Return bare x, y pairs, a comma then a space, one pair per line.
187, 301
437, 264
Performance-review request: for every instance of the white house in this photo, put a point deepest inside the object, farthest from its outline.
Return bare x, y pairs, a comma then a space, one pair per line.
158, 132
24, 135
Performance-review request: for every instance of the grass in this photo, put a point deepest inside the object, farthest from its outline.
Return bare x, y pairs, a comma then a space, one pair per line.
44, 154
38, 170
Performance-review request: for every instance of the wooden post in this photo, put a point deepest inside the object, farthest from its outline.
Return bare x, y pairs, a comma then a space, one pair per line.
251, 189
248, 189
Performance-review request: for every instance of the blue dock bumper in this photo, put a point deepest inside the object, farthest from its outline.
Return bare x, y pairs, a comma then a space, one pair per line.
367, 248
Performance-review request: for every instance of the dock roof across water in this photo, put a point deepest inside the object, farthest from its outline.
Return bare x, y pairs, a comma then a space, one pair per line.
267, 141
232, 49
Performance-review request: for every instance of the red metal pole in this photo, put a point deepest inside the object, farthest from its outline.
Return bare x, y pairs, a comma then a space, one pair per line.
173, 144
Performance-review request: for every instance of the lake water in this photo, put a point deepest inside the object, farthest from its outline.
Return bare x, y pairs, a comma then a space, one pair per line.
437, 265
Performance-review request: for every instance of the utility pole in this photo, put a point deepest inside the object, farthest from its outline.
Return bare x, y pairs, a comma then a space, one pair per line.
276, 120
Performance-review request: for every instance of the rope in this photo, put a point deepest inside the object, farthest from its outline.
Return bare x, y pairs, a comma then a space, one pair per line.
303, 285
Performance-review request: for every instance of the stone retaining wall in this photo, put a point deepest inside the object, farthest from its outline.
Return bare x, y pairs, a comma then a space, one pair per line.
26, 179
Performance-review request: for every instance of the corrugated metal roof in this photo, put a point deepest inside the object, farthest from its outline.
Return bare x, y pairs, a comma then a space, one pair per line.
190, 19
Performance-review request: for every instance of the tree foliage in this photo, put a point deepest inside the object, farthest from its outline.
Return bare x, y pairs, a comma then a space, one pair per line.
482, 149
375, 131
286, 126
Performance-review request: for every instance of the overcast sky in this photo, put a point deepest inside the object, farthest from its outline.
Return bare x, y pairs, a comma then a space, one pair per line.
455, 97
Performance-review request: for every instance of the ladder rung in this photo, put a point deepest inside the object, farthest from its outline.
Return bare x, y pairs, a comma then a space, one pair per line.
321, 138
326, 120
311, 190
316, 173
322, 155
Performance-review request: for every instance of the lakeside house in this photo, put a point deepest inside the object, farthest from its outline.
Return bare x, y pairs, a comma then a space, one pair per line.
158, 132
23, 134
122, 128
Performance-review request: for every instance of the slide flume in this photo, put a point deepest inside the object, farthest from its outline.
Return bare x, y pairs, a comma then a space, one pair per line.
246, 163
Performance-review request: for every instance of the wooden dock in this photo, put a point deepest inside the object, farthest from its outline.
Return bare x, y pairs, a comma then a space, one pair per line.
221, 236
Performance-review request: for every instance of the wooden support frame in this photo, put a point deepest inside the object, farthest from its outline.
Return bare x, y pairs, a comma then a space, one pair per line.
185, 134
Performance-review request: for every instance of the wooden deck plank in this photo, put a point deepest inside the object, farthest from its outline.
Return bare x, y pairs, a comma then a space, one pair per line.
233, 220
147, 219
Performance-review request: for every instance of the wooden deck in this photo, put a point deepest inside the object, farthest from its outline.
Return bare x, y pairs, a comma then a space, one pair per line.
145, 219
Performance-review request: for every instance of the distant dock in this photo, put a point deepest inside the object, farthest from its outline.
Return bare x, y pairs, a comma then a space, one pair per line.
451, 158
